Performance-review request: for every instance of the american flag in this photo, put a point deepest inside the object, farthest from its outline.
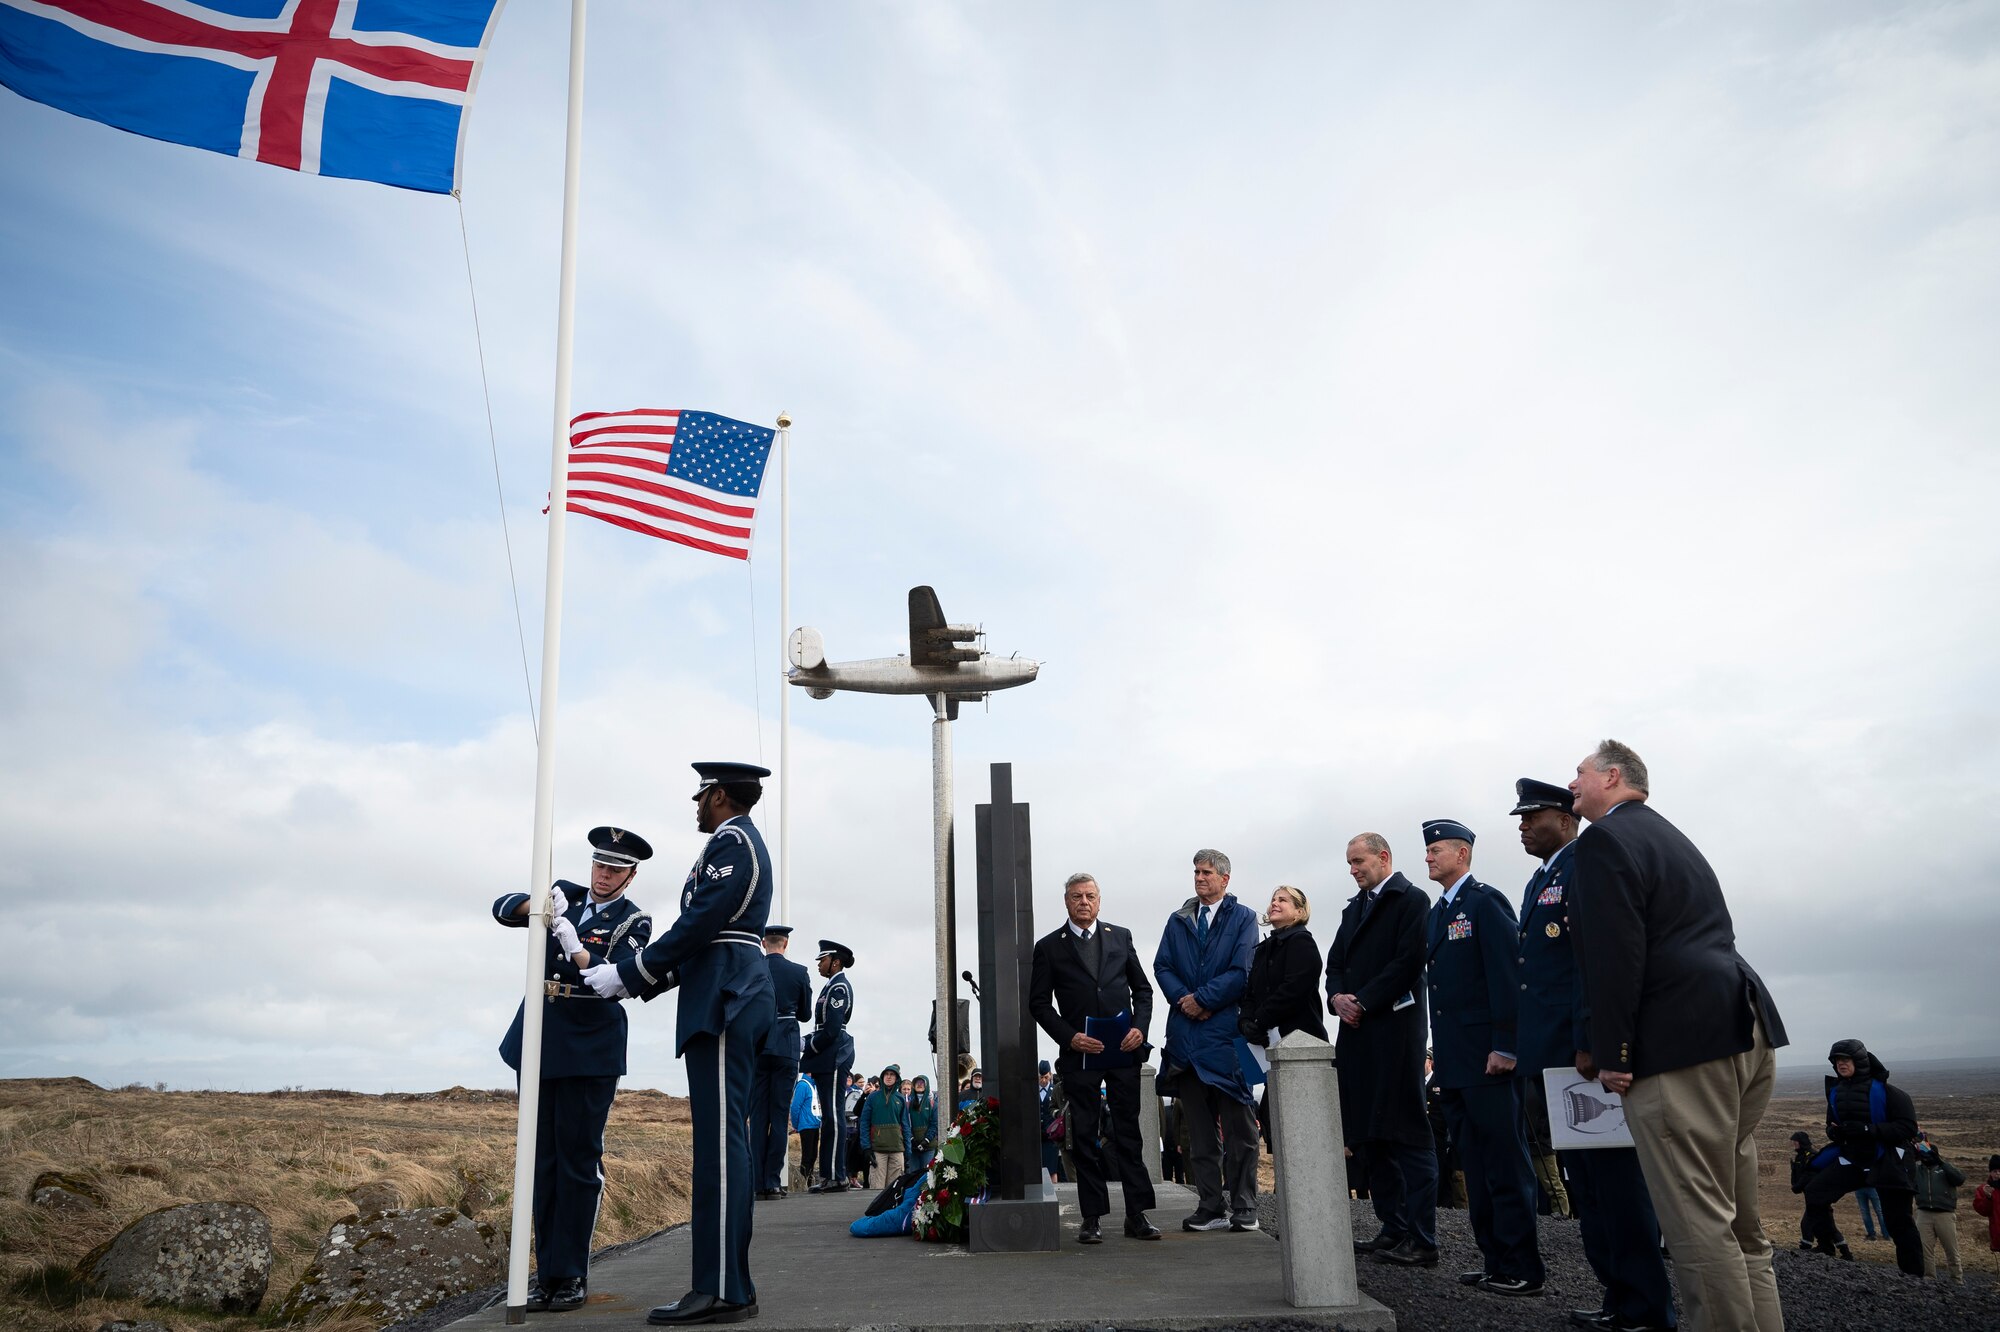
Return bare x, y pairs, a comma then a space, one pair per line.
690, 477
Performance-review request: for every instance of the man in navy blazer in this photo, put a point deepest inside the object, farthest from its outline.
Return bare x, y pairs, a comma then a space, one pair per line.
1684, 1030
1475, 986
1090, 969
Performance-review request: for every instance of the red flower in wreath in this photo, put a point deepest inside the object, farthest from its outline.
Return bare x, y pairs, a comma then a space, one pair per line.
944, 1195
993, 1101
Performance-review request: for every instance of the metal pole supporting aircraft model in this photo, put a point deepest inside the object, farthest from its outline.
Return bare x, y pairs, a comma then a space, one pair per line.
937, 664
947, 672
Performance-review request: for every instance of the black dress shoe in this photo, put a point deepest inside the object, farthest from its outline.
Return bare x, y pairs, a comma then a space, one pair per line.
1594, 1319
1504, 1285
696, 1307
1139, 1228
769, 1195
1384, 1240
1088, 1232
538, 1297
1409, 1254
568, 1294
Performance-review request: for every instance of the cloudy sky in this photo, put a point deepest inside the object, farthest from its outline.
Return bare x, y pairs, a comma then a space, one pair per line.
1356, 408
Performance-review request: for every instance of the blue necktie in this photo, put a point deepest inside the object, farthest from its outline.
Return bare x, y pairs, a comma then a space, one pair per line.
1201, 929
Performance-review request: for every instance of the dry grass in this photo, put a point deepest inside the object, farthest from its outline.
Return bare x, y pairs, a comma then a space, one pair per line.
294, 1155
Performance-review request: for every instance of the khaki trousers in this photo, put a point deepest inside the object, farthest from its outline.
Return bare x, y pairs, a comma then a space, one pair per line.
1942, 1227
888, 1169
1695, 1130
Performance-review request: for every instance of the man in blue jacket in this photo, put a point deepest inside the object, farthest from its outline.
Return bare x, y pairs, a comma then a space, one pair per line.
1203, 967
777, 1064
1475, 985
712, 955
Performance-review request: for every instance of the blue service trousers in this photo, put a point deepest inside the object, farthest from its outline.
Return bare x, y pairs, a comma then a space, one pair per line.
832, 1124
1485, 1121
719, 1070
569, 1173
771, 1120
1621, 1235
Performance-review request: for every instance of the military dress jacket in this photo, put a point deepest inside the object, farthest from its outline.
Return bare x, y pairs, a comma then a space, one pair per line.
830, 1047
1475, 984
714, 951
1666, 987
1551, 1026
792, 991
582, 1036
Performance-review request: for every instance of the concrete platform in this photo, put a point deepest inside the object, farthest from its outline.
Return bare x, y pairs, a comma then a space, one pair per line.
812, 1274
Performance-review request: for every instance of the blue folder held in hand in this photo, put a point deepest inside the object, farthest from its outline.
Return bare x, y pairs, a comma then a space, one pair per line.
1111, 1031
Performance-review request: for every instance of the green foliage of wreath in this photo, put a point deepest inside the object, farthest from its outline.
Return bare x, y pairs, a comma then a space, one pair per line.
958, 1176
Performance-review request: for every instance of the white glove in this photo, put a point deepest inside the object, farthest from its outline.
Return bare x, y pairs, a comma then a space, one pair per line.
558, 904
604, 979
565, 937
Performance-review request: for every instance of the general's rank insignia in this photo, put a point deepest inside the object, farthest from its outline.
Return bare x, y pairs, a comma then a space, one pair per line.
1459, 929
1553, 930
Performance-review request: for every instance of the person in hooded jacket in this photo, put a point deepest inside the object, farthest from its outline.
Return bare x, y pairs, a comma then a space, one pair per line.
1803, 1171
1986, 1202
1871, 1127
923, 1123
885, 1126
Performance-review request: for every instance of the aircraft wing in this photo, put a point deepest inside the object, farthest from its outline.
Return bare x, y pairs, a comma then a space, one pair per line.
932, 641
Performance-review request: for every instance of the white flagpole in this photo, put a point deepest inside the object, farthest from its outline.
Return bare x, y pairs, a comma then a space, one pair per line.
784, 690
545, 752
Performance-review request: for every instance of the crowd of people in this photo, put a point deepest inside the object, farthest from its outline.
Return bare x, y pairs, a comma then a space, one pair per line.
1620, 968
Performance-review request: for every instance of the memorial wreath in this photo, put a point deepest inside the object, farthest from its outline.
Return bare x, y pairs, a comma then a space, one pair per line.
957, 1177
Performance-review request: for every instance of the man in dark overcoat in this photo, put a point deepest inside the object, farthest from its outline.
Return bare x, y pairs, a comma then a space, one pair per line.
1374, 986
1090, 969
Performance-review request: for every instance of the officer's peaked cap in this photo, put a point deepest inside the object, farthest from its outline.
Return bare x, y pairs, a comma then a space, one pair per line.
781, 931
1531, 795
720, 774
828, 948
618, 847
1446, 830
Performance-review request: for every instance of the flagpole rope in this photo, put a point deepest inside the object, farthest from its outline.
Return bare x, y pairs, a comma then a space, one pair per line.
493, 447
756, 657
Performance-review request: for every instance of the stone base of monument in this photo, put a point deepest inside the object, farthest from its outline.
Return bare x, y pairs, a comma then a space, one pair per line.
1004, 1225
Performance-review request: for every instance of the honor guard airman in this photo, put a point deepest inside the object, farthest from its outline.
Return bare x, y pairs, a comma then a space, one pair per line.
583, 1056
1620, 1233
829, 1057
778, 1065
712, 954
1475, 989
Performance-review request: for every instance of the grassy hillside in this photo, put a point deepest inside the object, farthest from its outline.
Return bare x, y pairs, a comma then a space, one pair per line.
295, 1155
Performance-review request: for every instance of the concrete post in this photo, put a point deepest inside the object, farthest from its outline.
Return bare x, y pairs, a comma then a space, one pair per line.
1316, 1232
1149, 1123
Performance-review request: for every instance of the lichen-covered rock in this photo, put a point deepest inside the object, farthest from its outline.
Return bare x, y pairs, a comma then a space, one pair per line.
376, 1196
474, 1196
127, 1325
213, 1255
64, 1193
392, 1265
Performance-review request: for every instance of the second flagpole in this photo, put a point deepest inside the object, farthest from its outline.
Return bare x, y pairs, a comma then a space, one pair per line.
539, 869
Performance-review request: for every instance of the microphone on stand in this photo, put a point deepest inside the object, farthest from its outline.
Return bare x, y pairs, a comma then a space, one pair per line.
967, 977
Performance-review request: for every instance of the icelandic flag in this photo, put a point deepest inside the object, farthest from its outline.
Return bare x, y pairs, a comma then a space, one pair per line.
367, 89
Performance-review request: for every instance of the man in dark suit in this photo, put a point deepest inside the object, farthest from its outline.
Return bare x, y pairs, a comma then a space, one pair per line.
1089, 969
1475, 985
1374, 985
778, 1064
1621, 1236
583, 1056
1684, 1030
711, 957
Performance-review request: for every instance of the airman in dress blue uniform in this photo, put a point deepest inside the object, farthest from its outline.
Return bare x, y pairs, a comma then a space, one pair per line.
1621, 1235
778, 1065
712, 955
583, 1056
1475, 991
829, 1057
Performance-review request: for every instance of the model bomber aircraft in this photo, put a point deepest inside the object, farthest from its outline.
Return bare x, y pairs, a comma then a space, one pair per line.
941, 662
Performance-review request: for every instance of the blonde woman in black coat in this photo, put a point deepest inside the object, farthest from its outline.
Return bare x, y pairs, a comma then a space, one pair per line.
1284, 983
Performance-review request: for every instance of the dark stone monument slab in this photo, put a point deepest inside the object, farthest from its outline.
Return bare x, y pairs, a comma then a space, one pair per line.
1022, 1216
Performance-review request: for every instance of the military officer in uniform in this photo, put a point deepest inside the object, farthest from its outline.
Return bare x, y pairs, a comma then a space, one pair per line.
1475, 985
1621, 1236
583, 1056
829, 1057
712, 954
777, 1064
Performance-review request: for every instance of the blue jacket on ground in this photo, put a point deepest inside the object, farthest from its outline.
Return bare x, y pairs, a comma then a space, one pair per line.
1216, 976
